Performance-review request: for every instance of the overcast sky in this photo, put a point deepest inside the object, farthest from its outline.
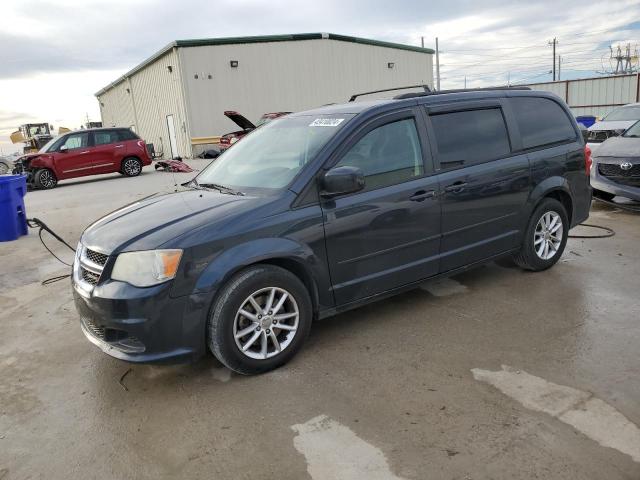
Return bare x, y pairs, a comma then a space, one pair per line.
55, 55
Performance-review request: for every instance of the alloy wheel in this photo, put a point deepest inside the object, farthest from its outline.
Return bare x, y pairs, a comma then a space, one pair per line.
4, 168
132, 167
47, 179
266, 323
547, 236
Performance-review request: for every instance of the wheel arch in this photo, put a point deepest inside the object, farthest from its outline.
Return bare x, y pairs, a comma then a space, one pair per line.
296, 258
552, 187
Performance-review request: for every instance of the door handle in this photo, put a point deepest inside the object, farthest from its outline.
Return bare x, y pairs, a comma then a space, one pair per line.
455, 187
119, 146
86, 151
422, 195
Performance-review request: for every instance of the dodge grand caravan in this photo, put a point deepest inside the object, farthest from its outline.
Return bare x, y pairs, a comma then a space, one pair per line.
326, 210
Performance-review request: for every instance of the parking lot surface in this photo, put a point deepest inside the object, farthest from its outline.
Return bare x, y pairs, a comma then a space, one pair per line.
494, 373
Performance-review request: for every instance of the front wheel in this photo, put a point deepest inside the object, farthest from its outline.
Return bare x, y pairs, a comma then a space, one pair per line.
545, 237
260, 320
45, 179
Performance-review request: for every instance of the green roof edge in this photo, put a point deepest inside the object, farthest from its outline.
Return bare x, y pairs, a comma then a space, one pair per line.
201, 42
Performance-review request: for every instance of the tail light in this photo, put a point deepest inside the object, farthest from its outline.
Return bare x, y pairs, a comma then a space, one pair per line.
141, 144
587, 160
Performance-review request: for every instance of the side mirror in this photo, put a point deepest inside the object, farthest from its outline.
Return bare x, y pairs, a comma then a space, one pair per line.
341, 180
63, 149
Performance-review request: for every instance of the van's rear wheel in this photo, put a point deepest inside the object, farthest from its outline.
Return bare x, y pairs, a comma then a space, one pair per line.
45, 179
131, 167
260, 320
545, 237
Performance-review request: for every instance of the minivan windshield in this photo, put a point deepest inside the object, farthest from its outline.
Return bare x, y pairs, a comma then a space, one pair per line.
272, 155
623, 113
633, 131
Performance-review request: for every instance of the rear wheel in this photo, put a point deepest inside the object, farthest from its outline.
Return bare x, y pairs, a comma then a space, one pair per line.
131, 167
45, 179
260, 320
545, 237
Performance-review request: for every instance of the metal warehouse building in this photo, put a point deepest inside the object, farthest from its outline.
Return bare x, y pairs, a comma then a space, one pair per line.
180, 93
595, 96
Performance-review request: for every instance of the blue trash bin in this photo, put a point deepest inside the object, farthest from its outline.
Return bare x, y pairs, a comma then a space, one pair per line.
586, 120
13, 216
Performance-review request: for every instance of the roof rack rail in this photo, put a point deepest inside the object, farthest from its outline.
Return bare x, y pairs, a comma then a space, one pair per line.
459, 90
425, 87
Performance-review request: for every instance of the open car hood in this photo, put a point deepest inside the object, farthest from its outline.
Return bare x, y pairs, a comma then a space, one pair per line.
239, 120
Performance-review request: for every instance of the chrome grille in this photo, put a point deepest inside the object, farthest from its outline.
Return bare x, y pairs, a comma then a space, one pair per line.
96, 257
88, 267
89, 277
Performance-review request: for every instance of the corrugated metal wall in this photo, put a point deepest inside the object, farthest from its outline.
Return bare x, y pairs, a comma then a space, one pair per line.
271, 77
595, 96
289, 76
154, 92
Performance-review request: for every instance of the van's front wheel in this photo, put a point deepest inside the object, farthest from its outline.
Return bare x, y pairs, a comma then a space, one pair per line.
545, 237
260, 320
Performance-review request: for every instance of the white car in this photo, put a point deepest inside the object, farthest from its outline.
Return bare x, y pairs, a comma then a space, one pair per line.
613, 124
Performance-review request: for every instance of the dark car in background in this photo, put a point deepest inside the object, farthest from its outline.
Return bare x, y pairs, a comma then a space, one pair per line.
616, 166
247, 126
84, 152
327, 210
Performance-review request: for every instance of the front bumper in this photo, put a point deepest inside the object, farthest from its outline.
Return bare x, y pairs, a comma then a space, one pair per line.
623, 184
141, 325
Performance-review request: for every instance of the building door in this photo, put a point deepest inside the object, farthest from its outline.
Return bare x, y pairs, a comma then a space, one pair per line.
173, 143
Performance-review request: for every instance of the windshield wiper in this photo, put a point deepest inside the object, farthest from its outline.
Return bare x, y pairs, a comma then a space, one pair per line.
220, 188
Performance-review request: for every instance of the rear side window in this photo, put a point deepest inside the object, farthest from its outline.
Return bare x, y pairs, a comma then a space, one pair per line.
104, 137
470, 137
127, 135
541, 121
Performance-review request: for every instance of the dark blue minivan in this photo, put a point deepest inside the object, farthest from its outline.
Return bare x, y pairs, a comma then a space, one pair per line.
325, 210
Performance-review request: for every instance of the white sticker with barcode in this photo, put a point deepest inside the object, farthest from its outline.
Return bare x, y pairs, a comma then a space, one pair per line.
326, 122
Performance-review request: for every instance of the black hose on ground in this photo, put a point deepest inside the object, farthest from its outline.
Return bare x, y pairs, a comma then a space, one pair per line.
37, 223
609, 231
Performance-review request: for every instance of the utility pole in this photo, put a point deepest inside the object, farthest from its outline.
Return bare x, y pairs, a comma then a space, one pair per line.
422, 38
465, 82
554, 43
437, 66
559, 66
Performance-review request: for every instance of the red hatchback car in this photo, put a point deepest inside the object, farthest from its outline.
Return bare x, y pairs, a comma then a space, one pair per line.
82, 153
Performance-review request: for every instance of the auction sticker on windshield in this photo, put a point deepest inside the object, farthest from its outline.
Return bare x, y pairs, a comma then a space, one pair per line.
326, 122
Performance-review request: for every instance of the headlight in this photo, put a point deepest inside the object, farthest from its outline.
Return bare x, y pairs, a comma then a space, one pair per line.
146, 268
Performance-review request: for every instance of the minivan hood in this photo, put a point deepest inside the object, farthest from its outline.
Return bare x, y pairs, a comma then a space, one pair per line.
155, 220
612, 125
620, 147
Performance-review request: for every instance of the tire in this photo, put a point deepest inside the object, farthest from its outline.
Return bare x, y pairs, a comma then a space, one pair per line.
45, 179
131, 167
529, 256
226, 321
603, 195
